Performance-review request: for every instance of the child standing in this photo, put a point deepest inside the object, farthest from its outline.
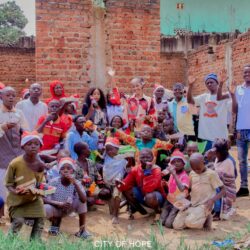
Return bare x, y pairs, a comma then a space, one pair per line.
225, 169
204, 183
21, 202
113, 170
178, 185
69, 197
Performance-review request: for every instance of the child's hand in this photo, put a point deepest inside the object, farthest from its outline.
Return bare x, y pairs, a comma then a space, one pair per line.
65, 205
171, 169
22, 191
51, 117
11, 125
165, 172
119, 183
71, 178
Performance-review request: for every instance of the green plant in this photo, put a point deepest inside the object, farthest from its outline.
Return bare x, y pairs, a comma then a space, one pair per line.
12, 23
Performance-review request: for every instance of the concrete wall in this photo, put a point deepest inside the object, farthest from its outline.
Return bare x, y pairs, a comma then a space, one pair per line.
201, 15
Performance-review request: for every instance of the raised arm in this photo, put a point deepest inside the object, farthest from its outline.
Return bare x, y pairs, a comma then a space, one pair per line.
191, 81
233, 96
223, 78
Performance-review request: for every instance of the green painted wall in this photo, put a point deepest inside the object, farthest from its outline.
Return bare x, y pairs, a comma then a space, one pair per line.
205, 15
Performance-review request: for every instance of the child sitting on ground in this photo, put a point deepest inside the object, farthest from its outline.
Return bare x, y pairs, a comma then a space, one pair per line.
224, 167
114, 169
204, 183
192, 147
23, 170
52, 167
178, 186
87, 172
69, 197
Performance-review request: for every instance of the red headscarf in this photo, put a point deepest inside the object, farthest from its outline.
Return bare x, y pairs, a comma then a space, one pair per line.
52, 91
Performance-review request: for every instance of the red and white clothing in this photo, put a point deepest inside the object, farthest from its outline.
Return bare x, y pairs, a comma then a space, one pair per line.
136, 109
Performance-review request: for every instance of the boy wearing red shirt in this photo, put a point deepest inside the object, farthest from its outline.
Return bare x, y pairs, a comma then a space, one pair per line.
142, 186
53, 127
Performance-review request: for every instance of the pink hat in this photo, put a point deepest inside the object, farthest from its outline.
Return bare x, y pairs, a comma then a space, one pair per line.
66, 160
177, 154
113, 142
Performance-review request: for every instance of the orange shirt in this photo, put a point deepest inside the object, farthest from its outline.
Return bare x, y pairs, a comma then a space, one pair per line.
52, 132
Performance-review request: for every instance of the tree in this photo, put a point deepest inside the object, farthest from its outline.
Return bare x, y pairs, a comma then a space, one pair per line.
12, 23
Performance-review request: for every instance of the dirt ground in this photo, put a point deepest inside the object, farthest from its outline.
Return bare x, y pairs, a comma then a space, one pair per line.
99, 224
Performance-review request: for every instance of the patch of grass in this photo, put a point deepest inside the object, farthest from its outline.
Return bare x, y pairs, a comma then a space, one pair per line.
63, 242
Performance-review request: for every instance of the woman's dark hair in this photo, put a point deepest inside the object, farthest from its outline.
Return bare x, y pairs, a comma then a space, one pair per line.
122, 122
101, 102
221, 146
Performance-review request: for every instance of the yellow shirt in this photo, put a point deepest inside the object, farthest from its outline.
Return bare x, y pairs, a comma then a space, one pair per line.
182, 113
203, 186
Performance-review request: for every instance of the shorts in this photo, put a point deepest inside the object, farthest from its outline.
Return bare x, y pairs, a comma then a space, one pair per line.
140, 197
77, 206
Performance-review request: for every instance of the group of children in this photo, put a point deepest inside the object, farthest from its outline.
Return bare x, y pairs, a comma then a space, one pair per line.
142, 161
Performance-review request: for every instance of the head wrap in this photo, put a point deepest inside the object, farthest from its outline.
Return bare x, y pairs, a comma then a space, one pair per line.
212, 76
28, 136
52, 87
66, 160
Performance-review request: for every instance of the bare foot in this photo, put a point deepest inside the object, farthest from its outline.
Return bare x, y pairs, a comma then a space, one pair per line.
115, 220
208, 223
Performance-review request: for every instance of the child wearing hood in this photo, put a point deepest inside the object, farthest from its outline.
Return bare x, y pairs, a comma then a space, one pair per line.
114, 170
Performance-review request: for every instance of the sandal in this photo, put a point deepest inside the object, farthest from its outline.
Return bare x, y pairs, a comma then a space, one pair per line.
83, 234
54, 231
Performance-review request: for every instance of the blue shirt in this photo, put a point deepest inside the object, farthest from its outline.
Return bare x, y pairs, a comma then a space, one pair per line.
74, 137
243, 99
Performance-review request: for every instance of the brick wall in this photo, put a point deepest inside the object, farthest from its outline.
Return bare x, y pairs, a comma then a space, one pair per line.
62, 45
200, 62
133, 32
173, 68
17, 64
241, 55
